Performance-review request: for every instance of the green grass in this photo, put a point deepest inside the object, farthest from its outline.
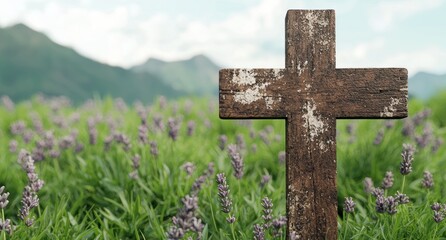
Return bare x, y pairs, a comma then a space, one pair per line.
89, 194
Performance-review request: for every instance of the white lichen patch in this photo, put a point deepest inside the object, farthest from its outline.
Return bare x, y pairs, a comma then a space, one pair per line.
251, 94
390, 110
243, 77
301, 68
312, 121
271, 101
314, 19
278, 73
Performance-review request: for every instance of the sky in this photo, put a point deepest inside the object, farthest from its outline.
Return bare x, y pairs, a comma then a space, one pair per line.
237, 33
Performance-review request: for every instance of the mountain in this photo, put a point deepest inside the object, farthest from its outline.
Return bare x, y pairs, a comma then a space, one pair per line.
197, 75
30, 63
424, 85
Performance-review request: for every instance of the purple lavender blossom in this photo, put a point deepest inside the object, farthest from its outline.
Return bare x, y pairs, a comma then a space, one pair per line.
223, 193
437, 143
18, 127
278, 224
6, 226
222, 142
428, 180
258, 232
3, 198
189, 168
282, 157
173, 128
8, 103
236, 161
240, 142
265, 179
267, 205
154, 149
425, 138
387, 181
13, 144
190, 128
196, 187
401, 198
391, 205
349, 205
380, 204
379, 137
368, 185
407, 155
408, 128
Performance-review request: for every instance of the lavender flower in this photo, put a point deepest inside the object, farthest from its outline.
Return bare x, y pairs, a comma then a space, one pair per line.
265, 179
189, 168
190, 128
436, 207
154, 149
408, 128
379, 137
428, 180
368, 185
18, 127
407, 155
240, 141
3, 197
8, 103
222, 142
437, 143
13, 146
267, 205
143, 131
173, 129
282, 157
122, 139
391, 205
277, 224
175, 233
378, 192
258, 232
29, 199
349, 205
6, 226
230, 219
135, 165
200, 180
388, 180
380, 204
401, 198
438, 216
264, 137
223, 193
425, 138
236, 160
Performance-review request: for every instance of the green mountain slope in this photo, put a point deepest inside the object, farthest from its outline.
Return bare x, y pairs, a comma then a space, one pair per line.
424, 85
198, 75
31, 63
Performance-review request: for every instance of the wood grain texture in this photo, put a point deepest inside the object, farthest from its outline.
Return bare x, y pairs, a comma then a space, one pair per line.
310, 93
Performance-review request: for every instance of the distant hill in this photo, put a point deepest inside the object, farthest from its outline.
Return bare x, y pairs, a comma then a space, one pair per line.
197, 75
31, 63
424, 85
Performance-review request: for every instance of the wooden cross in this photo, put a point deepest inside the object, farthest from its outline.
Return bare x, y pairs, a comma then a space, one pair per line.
310, 93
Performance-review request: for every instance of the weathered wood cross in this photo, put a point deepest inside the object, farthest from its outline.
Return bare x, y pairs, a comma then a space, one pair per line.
310, 93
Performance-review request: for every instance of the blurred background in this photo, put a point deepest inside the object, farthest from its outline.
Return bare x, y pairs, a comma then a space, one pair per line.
138, 50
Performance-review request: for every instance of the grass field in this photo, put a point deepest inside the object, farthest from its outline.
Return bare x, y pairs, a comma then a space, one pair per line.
112, 171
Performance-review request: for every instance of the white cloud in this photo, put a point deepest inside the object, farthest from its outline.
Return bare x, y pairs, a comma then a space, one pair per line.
386, 13
429, 59
360, 54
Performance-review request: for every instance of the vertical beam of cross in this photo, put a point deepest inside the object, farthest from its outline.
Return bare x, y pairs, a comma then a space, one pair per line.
310, 93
